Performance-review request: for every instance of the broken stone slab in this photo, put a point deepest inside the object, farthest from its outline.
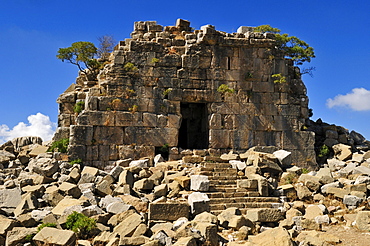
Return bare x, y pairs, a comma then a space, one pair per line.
264, 215
39, 149
249, 184
6, 156
186, 241
240, 165
10, 198
44, 166
53, 236
184, 181
65, 203
160, 190
337, 192
168, 211
18, 236
276, 236
363, 220
351, 200
311, 182
118, 207
342, 152
143, 184
128, 225
284, 157
225, 216
199, 203
229, 156
108, 199
6, 225
199, 183
313, 211
139, 163
208, 232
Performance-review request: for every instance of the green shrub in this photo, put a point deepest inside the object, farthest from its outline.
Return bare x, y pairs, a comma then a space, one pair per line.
29, 238
155, 60
79, 106
130, 67
279, 78
324, 151
80, 224
39, 228
61, 145
305, 170
77, 161
223, 89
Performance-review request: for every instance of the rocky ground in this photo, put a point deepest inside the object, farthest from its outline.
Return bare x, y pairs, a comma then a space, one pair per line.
252, 198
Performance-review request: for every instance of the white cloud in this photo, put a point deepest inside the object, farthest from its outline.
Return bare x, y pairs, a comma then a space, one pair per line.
357, 100
38, 125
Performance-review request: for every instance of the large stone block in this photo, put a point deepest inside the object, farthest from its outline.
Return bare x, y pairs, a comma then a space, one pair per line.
53, 236
168, 211
219, 139
81, 135
108, 135
265, 215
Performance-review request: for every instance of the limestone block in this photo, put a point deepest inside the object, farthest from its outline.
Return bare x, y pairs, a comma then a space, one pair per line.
160, 190
44, 166
206, 217
337, 192
225, 216
17, 236
302, 191
249, 184
144, 184
215, 121
284, 157
199, 203
186, 241
7, 225
69, 189
209, 232
53, 236
108, 135
363, 220
351, 200
96, 118
168, 211
65, 203
199, 183
219, 139
10, 198
275, 237
125, 119
264, 215
342, 152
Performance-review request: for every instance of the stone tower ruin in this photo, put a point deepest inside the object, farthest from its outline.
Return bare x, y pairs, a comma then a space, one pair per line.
187, 89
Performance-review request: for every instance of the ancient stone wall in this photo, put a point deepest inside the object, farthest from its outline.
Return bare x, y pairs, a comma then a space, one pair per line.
196, 89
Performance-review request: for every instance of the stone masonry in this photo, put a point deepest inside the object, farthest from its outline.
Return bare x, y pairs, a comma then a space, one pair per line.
162, 87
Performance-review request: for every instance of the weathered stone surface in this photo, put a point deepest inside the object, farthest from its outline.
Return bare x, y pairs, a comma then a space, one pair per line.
199, 202
199, 183
264, 215
18, 235
6, 225
168, 211
44, 166
66, 203
53, 236
363, 220
128, 225
274, 237
342, 152
10, 198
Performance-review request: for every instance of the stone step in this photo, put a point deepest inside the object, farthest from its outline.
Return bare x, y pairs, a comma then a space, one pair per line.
222, 177
213, 182
244, 200
217, 165
242, 206
213, 195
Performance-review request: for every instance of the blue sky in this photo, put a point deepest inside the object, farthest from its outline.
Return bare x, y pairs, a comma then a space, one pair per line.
31, 32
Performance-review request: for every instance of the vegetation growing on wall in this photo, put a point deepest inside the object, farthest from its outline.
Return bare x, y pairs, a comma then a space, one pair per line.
294, 48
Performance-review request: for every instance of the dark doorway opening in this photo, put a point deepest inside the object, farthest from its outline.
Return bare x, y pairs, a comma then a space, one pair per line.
193, 133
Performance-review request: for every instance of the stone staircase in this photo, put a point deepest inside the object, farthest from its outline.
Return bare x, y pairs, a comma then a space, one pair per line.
224, 192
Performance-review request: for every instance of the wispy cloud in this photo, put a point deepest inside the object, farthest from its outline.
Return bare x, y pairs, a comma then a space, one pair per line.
38, 125
358, 100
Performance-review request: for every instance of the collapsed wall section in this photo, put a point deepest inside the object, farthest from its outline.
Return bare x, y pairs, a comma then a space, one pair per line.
181, 88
